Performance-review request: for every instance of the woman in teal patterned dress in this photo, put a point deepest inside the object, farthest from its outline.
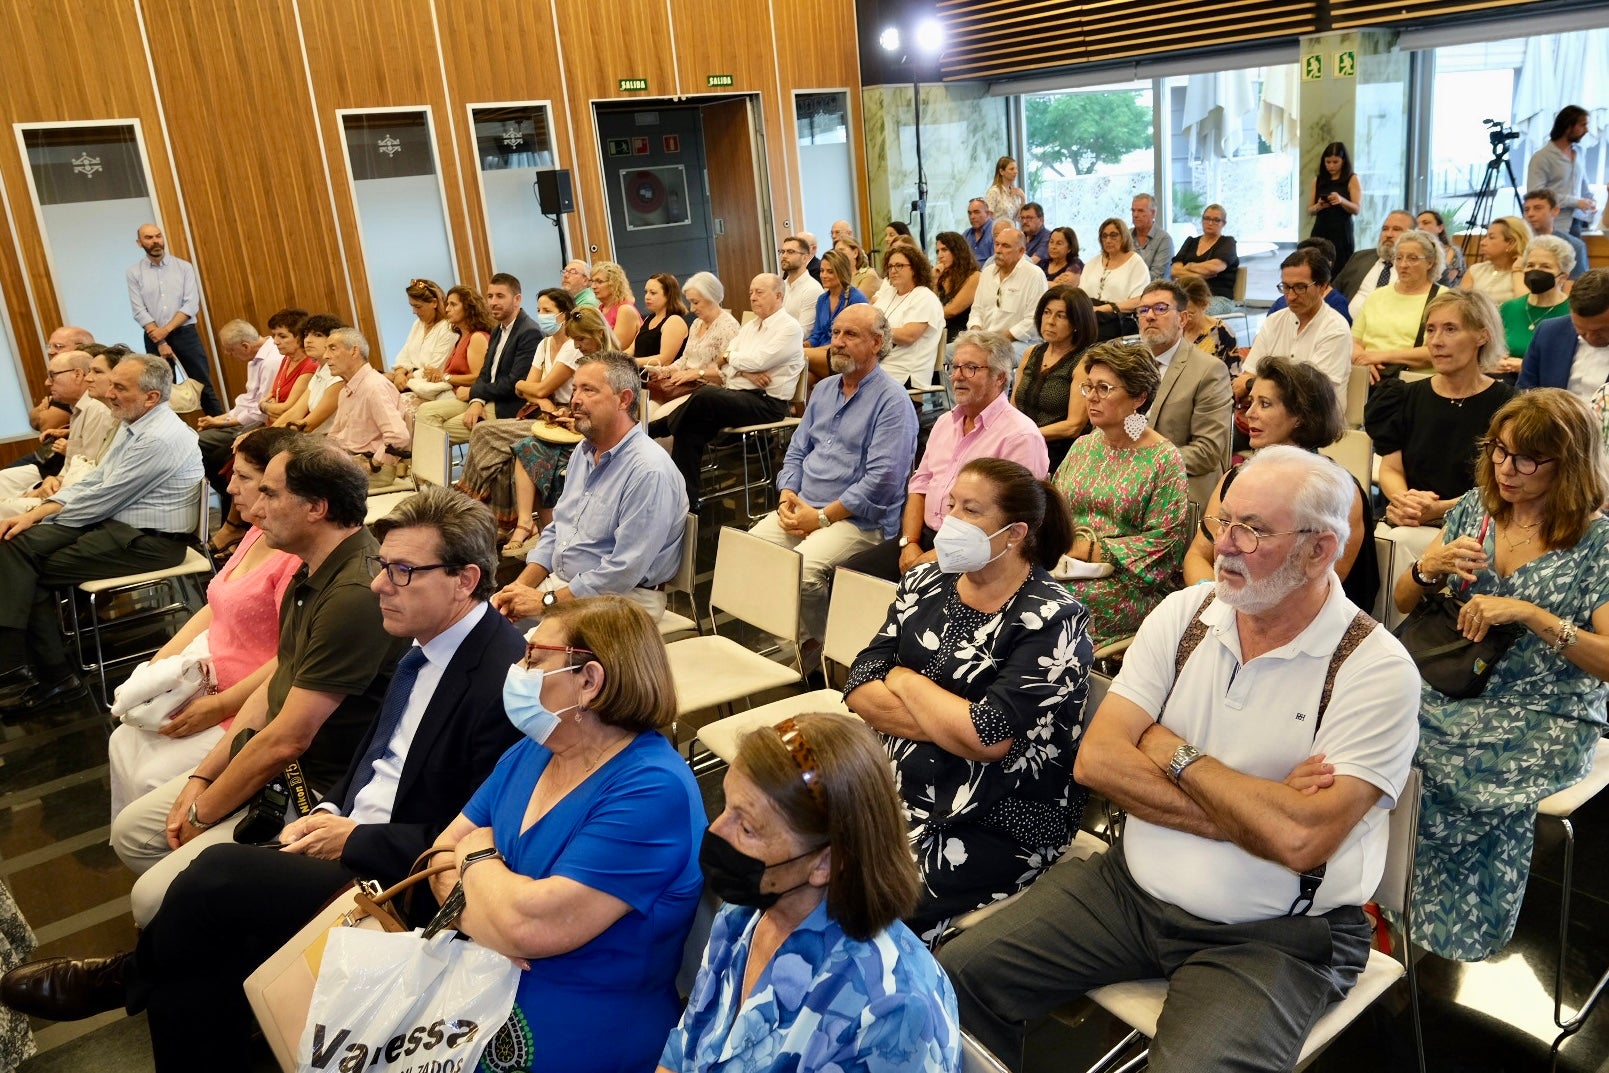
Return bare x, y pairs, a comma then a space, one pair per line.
1529, 546
1126, 487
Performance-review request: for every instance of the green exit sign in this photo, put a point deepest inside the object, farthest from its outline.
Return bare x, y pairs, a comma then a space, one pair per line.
720, 80
633, 85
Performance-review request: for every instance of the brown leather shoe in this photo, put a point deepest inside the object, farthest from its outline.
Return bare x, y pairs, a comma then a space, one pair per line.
66, 989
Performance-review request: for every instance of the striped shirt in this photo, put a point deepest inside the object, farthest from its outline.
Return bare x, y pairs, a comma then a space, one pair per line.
157, 291
148, 478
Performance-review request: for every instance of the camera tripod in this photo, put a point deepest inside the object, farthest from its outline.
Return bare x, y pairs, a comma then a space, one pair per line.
1480, 214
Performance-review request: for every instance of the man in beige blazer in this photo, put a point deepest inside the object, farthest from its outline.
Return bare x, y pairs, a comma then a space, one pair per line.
1193, 406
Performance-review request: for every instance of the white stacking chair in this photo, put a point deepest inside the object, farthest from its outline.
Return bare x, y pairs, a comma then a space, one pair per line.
1357, 396
431, 465
1138, 1003
857, 610
672, 625
760, 442
1241, 276
1355, 452
1559, 808
941, 380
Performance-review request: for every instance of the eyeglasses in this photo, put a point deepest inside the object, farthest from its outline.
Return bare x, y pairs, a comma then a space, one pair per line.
1213, 219
1101, 391
1523, 464
1158, 310
804, 757
968, 369
1242, 537
399, 574
1294, 288
896, 264
1111, 234
1407, 258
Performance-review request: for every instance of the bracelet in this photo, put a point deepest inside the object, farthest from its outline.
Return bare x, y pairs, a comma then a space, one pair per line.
1567, 636
1421, 580
476, 858
203, 778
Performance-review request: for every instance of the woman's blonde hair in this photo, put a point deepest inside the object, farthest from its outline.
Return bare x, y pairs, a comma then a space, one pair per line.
1476, 313
1518, 235
586, 322
1550, 423
618, 283
638, 693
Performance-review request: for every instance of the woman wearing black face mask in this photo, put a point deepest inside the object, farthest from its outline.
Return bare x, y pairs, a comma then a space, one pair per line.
812, 858
1549, 260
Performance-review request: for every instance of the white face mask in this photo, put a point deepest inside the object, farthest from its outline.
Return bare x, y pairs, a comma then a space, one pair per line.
522, 700
962, 547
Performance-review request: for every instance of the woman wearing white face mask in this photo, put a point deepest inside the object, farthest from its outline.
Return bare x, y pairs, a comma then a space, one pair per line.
976, 683
579, 855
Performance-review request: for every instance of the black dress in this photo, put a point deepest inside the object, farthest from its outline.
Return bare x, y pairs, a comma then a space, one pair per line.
1045, 397
1223, 284
1437, 435
1334, 222
648, 339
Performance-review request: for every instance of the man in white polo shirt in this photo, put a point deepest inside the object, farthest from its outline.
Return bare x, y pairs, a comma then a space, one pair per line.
1257, 736
1308, 329
1008, 292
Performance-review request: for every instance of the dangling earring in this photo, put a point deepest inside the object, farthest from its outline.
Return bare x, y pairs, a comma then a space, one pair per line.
1134, 425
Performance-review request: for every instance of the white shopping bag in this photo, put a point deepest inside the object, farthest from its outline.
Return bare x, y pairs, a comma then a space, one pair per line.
391, 1002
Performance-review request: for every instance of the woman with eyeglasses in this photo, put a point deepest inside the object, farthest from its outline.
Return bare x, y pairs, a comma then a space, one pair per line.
1333, 198
1045, 388
1497, 274
1453, 266
1115, 280
1125, 487
578, 856
1063, 267
808, 967
616, 302
957, 283
915, 316
976, 683
1388, 334
1528, 547
837, 294
1212, 256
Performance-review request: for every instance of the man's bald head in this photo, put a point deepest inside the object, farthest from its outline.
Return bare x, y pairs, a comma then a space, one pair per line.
67, 338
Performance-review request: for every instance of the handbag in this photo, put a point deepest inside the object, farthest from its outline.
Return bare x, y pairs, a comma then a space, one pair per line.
1447, 660
280, 991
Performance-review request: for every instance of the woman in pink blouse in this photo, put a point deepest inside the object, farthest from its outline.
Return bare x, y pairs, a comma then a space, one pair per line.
241, 621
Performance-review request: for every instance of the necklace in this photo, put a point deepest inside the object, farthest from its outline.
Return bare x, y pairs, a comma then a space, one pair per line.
1533, 321
1514, 545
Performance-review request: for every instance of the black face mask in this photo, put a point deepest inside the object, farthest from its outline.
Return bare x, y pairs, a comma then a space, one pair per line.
735, 877
1538, 281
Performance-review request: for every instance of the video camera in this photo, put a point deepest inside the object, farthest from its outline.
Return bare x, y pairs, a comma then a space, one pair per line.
1500, 134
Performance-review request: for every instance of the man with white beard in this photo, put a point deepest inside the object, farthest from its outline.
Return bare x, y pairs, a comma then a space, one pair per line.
1257, 735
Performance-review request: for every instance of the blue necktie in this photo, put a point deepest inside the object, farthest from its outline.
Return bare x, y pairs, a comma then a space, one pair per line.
396, 702
1385, 275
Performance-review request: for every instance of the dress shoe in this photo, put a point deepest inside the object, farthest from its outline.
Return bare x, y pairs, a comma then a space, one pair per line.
14, 683
66, 989
58, 692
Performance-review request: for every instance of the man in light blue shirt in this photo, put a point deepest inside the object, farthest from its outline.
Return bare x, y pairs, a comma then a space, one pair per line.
618, 524
165, 299
134, 513
843, 482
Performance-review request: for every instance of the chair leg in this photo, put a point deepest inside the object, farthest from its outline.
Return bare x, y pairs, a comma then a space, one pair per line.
1569, 1026
1108, 1062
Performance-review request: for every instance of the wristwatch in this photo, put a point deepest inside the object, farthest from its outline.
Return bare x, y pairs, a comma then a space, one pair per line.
904, 541
1183, 757
194, 818
822, 521
549, 598
477, 856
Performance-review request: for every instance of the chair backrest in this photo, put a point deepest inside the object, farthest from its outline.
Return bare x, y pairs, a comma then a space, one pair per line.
1357, 395
686, 570
749, 314
858, 608
698, 937
1355, 452
1240, 283
203, 515
432, 454
1402, 840
1410, 375
1098, 686
757, 581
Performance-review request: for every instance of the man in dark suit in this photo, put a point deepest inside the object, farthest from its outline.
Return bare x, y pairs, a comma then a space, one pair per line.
508, 359
438, 735
1573, 352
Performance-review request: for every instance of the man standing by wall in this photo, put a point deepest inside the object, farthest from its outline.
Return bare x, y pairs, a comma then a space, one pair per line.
165, 298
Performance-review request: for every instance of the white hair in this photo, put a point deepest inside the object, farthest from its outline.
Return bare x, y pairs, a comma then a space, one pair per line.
1322, 494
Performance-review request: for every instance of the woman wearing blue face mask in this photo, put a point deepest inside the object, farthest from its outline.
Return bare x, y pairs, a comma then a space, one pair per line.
808, 967
976, 683
579, 855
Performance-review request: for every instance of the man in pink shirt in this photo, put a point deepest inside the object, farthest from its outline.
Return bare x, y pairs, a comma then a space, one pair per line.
368, 420
983, 424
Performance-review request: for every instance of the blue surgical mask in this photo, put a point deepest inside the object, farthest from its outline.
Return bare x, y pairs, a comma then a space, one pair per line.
548, 322
522, 700
962, 547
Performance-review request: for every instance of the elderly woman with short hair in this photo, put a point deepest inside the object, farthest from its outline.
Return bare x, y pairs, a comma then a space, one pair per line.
1116, 279
712, 331
1549, 260
1388, 333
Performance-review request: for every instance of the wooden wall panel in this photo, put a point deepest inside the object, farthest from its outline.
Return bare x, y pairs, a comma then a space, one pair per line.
739, 252
809, 59
254, 193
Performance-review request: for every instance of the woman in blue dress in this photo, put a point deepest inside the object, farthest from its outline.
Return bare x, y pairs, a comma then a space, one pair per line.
808, 968
1526, 546
577, 855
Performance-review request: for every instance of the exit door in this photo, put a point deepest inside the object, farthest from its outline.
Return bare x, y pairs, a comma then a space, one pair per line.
654, 179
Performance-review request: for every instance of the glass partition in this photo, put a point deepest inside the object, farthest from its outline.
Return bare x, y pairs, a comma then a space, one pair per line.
512, 143
825, 162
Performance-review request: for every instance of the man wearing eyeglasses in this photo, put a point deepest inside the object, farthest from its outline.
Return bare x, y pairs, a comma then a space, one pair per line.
1257, 735
1008, 292
334, 665
1193, 404
576, 279
802, 289
1308, 329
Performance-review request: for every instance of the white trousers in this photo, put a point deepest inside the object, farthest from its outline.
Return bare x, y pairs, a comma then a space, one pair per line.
822, 550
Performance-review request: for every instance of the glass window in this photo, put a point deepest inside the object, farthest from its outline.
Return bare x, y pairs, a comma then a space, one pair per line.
512, 143
14, 401
1089, 152
1234, 143
822, 120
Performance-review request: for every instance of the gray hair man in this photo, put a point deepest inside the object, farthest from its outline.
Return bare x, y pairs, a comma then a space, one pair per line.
1154, 245
239, 341
1368, 270
577, 279
49, 414
1193, 406
1238, 837
368, 423
89, 423
1008, 292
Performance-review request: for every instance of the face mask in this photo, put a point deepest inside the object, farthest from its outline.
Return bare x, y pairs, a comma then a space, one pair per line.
735, 877
1538, 281
522, 700
548, 322
962, 547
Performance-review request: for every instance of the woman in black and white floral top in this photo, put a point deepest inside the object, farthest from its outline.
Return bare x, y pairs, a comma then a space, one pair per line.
976, 684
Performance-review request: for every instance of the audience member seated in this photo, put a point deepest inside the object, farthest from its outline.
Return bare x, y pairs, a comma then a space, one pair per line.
1225, 815
982, 424
1008, 291
863, 277
1193, 404
762, 368
431, 336
1035, 239
1126, 492
332, 670
1062, 266
576, 279
313, 407
87, 435
1528, 548
1154, 245
47, 414
368, 422
1368, 270
839, 488
915, 316
1548, 263
238, 341
956, 282
1502, 250
1045, 384
1289, 402
1388, 333
712, 331
1308, 331
1573, 353
976, 684
441, 391
813, 265
616, 302
811, 860
1209, 334
1332, 294
801, 289
240, 622
617, 527
1452, 262
837, 295
1115, 280
443, 731
135, 512
1541, 211
509, 351
1427, 434
663, 335
979, 236
1211, 256
296, 366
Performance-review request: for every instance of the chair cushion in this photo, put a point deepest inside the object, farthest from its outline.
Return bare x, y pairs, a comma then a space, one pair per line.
1567, 800
711, 671
672, 625
194, 563
721, 737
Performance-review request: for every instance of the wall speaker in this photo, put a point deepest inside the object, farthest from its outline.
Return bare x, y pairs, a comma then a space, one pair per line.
554, 193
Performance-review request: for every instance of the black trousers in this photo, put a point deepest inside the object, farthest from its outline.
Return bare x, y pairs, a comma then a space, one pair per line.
702, 417
186, 344
222, 917
217, 451
882, 560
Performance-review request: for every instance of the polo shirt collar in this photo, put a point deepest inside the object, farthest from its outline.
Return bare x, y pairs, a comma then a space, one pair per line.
353, 547
986, 416
1318, 638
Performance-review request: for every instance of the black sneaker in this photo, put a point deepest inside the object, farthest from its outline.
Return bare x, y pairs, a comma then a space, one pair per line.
59, 692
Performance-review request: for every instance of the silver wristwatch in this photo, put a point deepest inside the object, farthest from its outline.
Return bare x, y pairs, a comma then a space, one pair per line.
1183, 757
822, 521
194, 819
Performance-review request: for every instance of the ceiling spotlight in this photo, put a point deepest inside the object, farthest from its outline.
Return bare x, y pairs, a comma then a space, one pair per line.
889, 39
930, 36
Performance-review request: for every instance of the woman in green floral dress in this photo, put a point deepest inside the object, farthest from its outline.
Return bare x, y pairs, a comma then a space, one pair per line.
1126, 487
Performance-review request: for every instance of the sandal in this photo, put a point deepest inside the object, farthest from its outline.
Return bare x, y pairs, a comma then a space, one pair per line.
233, 537
518, 545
